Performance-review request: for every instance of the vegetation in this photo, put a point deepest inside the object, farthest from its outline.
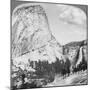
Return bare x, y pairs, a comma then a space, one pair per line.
46, 72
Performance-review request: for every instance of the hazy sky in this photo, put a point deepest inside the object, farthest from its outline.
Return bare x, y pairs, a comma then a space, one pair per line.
67, 23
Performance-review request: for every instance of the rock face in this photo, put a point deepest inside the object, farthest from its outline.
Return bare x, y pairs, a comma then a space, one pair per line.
76, 52
30, 29
31, 36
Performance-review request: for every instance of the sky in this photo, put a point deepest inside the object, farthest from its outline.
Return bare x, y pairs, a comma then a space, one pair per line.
67, 22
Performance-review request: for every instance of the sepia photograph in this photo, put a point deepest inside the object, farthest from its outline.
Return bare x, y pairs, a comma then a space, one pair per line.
49, 44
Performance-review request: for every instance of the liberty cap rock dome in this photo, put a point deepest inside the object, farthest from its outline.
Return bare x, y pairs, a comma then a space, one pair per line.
31, 35
30, 29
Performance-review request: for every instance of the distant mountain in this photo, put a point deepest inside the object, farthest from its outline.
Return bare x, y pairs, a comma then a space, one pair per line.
76, 52
77, 43
74, 45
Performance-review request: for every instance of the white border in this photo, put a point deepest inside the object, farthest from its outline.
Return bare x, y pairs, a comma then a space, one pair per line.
61, 1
